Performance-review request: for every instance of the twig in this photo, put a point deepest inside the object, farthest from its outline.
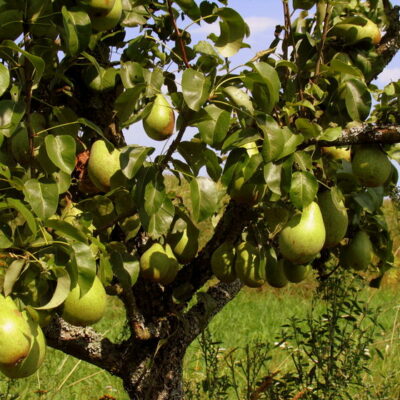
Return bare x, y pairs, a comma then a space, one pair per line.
323, 38
178, 35
165, 160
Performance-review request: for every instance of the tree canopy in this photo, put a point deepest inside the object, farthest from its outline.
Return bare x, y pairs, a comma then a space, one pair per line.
286, 157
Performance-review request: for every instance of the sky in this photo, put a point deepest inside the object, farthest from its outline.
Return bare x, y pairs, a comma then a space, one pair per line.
262, 16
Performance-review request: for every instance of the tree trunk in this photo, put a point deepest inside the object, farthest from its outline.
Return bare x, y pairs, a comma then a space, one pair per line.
159, 375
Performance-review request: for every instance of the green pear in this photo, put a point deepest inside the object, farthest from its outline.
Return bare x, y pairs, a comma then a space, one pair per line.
105, 22
295, 273
250, 264
97, 6
335, 217
34, 359
275, 275
103, 164
86, 309
358, 253
223, 262
159, 123
303, 237
371, 165
356, 29
158, 264
185, 244
15, 334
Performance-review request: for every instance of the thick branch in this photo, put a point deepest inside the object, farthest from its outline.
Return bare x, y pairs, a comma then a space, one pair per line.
366, 134
390, 42
210, 304
85, 344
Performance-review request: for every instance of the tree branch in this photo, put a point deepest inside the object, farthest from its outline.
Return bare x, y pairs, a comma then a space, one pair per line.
85, 344
363, 134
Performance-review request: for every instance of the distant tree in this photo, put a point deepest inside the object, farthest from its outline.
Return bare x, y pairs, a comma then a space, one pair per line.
81, 210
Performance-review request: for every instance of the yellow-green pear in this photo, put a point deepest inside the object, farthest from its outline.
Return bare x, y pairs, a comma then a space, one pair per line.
100, 80
86, 309
158, 264
371, 165
358, 253
250, 264
105, 22
223, 262
295, 273
356, 29
303, 237
335, 216
103, 164
97, 6
160, 122
185, 244
15, 333
275, 275
34, 359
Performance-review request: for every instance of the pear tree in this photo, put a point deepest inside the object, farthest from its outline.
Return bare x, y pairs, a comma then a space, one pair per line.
286, 158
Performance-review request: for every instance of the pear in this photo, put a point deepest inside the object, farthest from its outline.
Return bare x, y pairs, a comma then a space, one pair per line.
159, 123
185, 244
275, 274
295, 273
86, 309
335, 217
159, 264
97, 6
100, 80
355, 30
302, 238
371, 165
223, 262
337, 153
358, 253
105, 22
103, 164
34, 359
15, 333
250, 264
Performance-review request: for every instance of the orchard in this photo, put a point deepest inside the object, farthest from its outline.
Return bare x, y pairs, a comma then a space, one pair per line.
288, 156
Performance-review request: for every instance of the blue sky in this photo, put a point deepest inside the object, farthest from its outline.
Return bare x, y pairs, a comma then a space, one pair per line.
262, 16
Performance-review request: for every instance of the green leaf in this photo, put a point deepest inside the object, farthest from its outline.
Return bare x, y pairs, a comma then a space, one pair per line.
303, 160
61, 151
190, 8
11, 114
78, 29
126, 104
42, 195
159, 223
337, 65
12, 274
4, 79
331, 134
24, 211
272, 176
62, 290
291, 142
214, 125
5, 236
274, 141
84, 261
37, 62
357, 98
66, 230
154, 193
233, 30
205, 196
213, 165
126, 268
131, 74
193, 153
132, 159
196, 88
308, 128
303, 189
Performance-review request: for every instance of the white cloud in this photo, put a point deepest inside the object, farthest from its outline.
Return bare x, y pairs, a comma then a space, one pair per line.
389, 75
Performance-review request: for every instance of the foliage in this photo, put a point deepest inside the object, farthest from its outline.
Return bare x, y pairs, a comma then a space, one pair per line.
77, 201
